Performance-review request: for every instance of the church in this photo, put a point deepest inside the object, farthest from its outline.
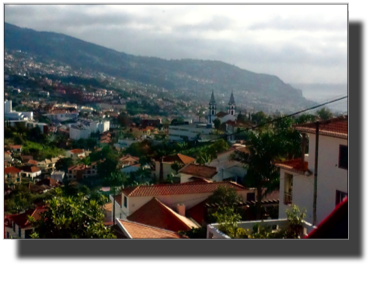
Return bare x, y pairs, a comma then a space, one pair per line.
224, 117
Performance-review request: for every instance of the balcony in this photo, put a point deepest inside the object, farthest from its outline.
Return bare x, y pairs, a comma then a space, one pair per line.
213, 231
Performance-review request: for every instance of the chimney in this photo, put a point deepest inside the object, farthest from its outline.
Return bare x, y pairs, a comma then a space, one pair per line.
181, 209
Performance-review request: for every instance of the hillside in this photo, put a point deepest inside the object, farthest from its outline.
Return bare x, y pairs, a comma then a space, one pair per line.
190, 78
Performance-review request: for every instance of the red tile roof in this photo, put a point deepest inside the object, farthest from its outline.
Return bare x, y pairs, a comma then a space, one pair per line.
22, 219
30, 169
77, 151
199, 171
8, 152
16, 146
178, 189
184, 159
49, 182
11, 170
141, 231
155, 213
294, 165
33, 162
336, 127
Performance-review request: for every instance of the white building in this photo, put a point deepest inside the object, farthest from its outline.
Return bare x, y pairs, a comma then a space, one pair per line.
79, 132
230, 169
297, 176
100, 126
58, 175
194, 131
14, 115
188, 195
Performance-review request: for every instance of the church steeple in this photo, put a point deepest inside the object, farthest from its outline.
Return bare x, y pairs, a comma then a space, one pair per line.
211, 109
231, 105
212, 100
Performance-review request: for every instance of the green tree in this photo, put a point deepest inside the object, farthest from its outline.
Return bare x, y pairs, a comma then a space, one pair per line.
176, 166
228, 220
217, 124
72, 217
224, 195
324, 114
64, 163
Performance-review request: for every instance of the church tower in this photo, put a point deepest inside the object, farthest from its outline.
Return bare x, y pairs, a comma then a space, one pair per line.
211, 109
231, 105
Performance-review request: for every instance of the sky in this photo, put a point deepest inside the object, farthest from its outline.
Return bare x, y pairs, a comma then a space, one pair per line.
297, 43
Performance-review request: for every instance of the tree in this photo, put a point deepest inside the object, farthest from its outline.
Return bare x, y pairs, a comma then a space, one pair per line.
224, 195
324, 114
305, 118
217, 123
64, 163
176, 166
72, 217
228, 220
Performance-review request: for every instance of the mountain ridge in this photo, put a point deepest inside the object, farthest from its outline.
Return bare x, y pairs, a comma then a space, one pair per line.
190, 76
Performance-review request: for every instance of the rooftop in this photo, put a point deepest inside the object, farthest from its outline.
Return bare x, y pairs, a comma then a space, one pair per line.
181, 158
141, 231
11, 170
199, 171
178, 189
155, 213
294, 165
77, 151
336, 127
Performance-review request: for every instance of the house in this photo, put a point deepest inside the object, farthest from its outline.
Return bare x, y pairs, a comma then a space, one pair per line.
26, 158
232, 169
44, 185
58, 175
30, 171
269, 202
128, 160
8, 156
12, 175
133, 230
168, 161
188, 194
75, 153
16, 149
157, 214
81, 171
192, 172
234, 127
297, 176
335, 226
18, 226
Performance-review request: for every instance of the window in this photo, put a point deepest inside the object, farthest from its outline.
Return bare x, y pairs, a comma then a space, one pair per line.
125, 201
13, 226
288, 187
339, 197
19, 232
343, 157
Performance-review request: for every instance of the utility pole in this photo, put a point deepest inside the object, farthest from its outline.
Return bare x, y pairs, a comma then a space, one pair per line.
315, 173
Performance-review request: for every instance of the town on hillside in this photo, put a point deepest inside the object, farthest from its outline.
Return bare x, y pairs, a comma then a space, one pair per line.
175, 122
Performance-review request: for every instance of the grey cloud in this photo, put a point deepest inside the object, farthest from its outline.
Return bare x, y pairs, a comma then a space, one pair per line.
306, 24
216, 23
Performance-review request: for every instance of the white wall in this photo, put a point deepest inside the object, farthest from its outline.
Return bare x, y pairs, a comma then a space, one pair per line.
330, 179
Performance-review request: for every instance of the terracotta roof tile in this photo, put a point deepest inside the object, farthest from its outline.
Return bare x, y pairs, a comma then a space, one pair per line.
184, 159
336, 127
30, 169
22, 219
16, 146
294, 164
180, 188
32, 162
11, 170
199, 171
141, 231
77, 151
155, 213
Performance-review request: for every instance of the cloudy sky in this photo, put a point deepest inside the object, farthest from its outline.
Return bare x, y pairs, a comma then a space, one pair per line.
297, 43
